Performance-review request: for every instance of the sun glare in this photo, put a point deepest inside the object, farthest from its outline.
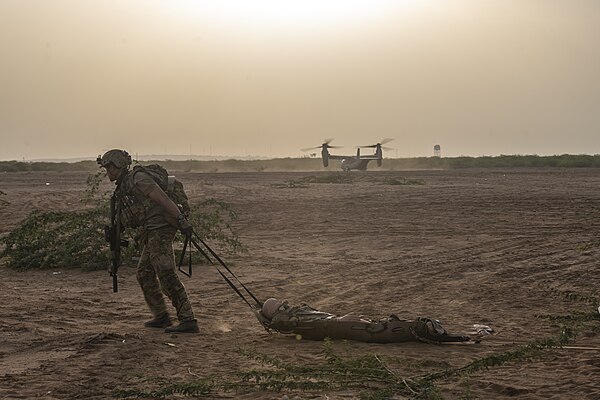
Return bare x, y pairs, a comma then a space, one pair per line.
290, 13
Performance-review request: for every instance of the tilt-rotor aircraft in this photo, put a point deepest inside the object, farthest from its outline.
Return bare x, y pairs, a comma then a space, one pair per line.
357, 161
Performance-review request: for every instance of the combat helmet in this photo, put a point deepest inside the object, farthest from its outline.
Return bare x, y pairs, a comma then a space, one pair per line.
116, 157
270, 307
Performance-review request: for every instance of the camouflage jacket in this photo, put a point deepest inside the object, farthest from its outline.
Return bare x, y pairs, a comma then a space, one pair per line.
137, 209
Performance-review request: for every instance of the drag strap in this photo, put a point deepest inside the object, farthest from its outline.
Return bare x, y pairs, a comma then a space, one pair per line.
195, 239
182, 257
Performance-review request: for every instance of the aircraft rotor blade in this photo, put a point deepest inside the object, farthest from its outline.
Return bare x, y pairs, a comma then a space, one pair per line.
325, 145
372, 146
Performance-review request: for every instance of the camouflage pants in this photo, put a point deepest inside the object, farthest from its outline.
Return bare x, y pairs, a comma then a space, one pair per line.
156, 275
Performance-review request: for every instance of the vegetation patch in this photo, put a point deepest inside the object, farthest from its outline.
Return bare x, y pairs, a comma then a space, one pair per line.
157, 388
212, 220
403, 181
343, 178
58, 239
335, 178
291, 184
329, 178
575, 317
315, 164
370, 375
523, 352
578, 297
589, 245
49, 239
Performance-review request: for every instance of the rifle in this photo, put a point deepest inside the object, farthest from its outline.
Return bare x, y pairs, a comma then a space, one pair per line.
112, 234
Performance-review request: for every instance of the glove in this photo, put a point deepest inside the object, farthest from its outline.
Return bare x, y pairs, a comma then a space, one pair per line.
184, 226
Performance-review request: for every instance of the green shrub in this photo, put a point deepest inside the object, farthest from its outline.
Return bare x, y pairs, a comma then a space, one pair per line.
51, 239
212, 219
315, 164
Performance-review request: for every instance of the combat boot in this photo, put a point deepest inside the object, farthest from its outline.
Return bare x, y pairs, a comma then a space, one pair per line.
159, 322
190, 326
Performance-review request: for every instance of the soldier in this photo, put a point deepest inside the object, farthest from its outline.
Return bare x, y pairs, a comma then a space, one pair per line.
313, 324
144, 205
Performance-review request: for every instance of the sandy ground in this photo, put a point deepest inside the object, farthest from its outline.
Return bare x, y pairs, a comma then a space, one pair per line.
494, 247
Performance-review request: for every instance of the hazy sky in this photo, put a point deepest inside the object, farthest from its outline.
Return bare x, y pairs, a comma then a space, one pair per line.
268, 77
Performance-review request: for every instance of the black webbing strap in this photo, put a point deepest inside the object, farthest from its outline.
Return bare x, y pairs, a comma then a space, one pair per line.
216, 256
185, 245
194, 240
182, 257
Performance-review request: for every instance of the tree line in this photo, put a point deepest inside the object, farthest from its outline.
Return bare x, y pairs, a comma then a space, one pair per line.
315, 164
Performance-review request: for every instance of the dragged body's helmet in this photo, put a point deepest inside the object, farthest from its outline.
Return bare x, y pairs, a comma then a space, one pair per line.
118, 158
270, 307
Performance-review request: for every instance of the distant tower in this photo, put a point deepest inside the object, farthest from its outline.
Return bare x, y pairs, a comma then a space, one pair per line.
437, 150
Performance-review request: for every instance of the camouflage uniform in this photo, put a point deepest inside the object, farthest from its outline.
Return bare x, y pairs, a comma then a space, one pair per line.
156, 275
313, 324
156, 271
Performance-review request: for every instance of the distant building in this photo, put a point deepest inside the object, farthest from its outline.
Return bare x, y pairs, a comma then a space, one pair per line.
437, 150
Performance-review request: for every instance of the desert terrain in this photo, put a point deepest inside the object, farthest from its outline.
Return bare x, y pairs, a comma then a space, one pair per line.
514, 249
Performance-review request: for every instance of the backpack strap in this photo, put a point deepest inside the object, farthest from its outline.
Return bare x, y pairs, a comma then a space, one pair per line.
170, 183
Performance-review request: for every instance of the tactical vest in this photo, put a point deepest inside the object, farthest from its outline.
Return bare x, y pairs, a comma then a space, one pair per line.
168, 183
137, 209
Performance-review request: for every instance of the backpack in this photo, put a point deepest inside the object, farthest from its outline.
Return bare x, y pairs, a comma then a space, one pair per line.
171, 186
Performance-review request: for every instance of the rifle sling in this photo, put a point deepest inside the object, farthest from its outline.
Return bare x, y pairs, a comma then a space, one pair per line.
116, 246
